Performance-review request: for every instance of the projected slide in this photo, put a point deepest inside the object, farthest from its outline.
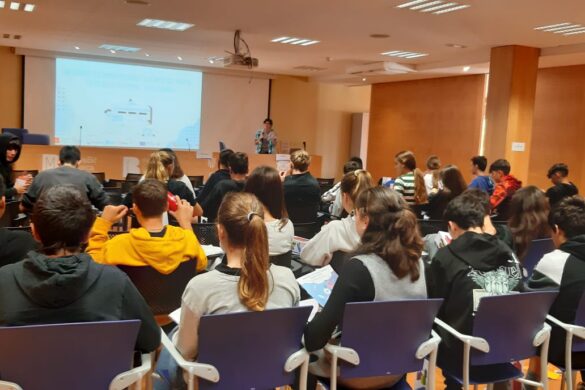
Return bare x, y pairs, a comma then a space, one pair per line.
119, 105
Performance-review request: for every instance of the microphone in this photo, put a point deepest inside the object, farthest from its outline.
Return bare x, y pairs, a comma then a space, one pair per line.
80, 132
304, 145
188, 144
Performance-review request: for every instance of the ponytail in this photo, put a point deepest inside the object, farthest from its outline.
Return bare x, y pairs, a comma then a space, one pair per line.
420, 191
242, 216
355, 182
157, 166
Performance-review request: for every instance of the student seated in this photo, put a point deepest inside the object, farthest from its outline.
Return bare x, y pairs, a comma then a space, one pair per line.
453, 185
458, 274
432, 176
163, 247
178, 174
506, 186
333, 196
302, 193
68, 172
222, 173
10, 148
410, 182
265, 184
562, 186
14, 245
60, 284
528, 221
564, 268
386, 266
339, 235
246, 281
481, 180
238, 170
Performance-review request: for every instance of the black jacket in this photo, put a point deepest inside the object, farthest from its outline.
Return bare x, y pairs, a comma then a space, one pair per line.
212, 202
302, 196
14, 245
216, 177
5, 166
561, 191
472, 266
566, 265
43, 290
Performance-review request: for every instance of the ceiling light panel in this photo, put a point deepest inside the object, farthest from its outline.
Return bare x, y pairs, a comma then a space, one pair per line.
437, 7
14, 5
565, 28
404, 54
115, 48
2, 3
29, 7
295, 41
165, 24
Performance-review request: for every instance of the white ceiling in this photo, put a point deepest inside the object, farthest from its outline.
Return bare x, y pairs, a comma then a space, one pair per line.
342, 26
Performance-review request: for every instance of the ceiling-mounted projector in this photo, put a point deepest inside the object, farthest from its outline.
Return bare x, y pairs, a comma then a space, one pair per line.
240, 58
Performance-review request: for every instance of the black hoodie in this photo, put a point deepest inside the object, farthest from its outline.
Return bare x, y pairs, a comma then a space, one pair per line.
472, 266
43, 290
564, 269
14, 245
5, 166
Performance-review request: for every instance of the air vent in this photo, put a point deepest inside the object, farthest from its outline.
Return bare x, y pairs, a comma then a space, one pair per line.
309, 68
136, 2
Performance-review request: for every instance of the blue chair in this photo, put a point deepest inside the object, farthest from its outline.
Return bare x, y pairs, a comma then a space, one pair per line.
250, 350
395, 343
577, 328
89, 356
506, 328
536, 250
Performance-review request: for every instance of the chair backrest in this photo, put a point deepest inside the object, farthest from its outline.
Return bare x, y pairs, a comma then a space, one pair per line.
161, 292
432, 226
196, 181
67, 356
128, 185
249, 349
114, 183
10, 214
386, 335
283, 259
302, 213
579, 343
536, 250
133, 176
19, 132
100, 176
307, 230
325, 184
509, 323
206, 233
114, 196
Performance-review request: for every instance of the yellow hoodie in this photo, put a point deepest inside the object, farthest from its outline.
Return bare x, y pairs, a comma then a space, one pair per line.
138, 248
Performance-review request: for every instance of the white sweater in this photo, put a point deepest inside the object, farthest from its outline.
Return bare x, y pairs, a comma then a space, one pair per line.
335, 236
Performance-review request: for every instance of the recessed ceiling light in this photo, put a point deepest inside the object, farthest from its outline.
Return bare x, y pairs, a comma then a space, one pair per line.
294, 41
565, 28
436, 7
180, 58
147, 55
116, 48
2, 3
77, 47
165, 24
29, 7
466, 68
404, 54
113, 51
214, 59
14, 6
379, 36
364, 79
456, 46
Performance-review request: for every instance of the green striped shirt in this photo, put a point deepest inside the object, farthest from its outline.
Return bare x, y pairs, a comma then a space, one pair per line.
404, 185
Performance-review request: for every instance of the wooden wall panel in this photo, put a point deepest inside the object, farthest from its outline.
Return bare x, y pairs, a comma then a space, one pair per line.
436, 116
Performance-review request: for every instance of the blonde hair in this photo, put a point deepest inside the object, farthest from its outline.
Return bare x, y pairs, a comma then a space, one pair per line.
242, 216
300, 160
157, 166
353, 183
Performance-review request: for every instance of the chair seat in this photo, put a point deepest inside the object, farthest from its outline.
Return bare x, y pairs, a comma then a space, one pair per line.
487, 374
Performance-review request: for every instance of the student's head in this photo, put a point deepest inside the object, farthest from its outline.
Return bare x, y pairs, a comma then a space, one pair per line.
70, 155
177, 171
357, 160
567, 219
388, 228
160, 166
529, 210
352, 185
300, 160
241, 227
61, 220
433, 163
478, 164
149, 199
2, 197
224, 158
475, 194
464, 213
453, 180
499, 169
265, 183
267, 124
404, 162
238, 163
350, 166
13, 150
557, 173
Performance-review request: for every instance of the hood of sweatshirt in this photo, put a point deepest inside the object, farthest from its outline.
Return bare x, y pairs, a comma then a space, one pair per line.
511, 183
56, 282
6, 139
162, 253
483, 252
575, 246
